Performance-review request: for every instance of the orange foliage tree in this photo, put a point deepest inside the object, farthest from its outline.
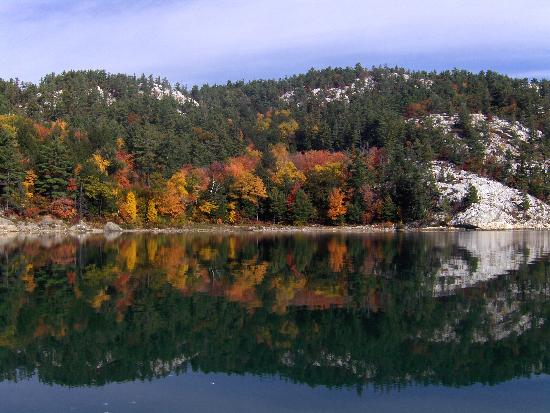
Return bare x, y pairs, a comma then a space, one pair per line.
173, 200
246, 186
63, 208
337, 208
307, 161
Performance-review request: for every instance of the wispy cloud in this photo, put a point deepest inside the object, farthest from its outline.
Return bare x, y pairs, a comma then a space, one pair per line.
213, 40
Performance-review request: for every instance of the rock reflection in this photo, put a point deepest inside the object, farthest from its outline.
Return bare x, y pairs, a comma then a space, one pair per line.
480, 256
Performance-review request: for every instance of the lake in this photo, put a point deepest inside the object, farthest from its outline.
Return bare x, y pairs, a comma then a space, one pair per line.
384, 322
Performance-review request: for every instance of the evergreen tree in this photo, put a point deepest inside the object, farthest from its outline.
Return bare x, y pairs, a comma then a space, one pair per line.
471, 196
53, 167
472, 138
302, 209
277, 205
358, 176
389, 211
11, 169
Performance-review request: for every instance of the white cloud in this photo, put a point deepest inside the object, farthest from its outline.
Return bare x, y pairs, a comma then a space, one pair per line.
185, 39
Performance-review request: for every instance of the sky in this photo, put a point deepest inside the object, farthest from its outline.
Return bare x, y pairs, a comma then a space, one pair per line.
212, 41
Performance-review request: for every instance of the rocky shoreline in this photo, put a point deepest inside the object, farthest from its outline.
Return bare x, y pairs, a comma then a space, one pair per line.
49, 225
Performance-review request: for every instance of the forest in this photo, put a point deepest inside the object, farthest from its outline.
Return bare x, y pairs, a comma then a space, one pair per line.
333, 146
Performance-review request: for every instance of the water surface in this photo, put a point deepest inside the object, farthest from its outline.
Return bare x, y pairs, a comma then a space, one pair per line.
265, 323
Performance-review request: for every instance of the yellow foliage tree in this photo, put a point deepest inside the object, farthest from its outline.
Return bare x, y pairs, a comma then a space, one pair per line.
250, 187
207, 207
28, 183
285, 169
151, 211
337, 208
263, 122
232, 212
128, 209
287, 128
99, 299
333, 168
101, 163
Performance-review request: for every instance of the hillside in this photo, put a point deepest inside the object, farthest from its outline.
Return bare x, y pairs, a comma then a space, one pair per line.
331, 146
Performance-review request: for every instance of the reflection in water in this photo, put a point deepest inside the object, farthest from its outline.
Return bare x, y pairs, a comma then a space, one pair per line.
486, 255
381, 309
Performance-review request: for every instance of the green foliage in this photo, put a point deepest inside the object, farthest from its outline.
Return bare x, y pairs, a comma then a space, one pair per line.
144, 126
471, 196
389, 211
95, 192
277, 205
11, 169
472, 138
525, 203
53, 166
302, 209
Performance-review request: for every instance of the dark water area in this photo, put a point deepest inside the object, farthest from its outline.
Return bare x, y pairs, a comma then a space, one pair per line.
267, 323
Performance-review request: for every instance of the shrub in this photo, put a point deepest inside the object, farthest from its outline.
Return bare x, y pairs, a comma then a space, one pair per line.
471, 197
63, 208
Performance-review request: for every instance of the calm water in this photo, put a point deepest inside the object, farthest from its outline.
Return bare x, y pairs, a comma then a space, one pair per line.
253, 323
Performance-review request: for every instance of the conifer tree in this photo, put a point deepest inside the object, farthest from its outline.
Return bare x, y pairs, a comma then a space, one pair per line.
302, 209
11, 169
53, 167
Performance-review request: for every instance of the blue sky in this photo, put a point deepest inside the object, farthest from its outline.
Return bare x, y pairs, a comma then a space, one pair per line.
212, 41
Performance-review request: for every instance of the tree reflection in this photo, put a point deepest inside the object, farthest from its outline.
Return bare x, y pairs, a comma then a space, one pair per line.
331, 310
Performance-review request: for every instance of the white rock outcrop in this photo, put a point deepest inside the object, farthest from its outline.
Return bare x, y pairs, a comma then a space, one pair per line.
160, 92
499, 206
503, 142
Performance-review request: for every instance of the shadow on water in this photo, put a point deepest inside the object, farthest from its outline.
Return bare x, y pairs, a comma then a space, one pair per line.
386, 310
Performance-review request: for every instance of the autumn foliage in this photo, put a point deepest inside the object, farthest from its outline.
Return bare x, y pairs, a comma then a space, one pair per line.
337, 208
128, 208
63, 208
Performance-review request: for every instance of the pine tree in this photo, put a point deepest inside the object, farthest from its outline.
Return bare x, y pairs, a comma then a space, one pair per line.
277, 205
359, 175
53, 167
302, 209
471, 196
11, 169
389, 211
472, 138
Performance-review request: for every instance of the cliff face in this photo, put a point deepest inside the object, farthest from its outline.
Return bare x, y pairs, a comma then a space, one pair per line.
499, 206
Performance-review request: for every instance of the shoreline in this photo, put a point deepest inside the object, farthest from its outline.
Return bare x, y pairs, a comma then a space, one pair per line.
61, 228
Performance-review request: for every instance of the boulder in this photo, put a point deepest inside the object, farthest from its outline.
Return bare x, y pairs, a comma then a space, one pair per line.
81, 227
48, 221
112, 227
